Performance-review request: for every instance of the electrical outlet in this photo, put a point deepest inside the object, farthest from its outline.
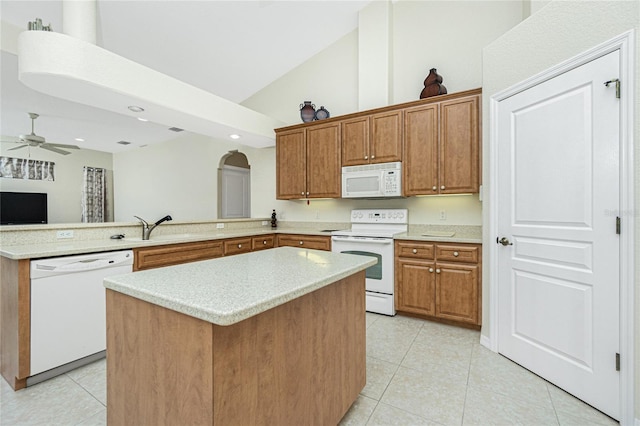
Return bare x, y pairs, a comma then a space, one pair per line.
443, 215
220, 225
265, 222
65, 234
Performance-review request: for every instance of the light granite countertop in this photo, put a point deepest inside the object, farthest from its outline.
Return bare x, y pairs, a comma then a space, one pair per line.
227, 290
65, 247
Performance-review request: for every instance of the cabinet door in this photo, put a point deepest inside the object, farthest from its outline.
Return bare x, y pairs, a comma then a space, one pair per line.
415, 287
457, 292
385, 143
291, 164
459, 146
420, 168
324, 179
355, 141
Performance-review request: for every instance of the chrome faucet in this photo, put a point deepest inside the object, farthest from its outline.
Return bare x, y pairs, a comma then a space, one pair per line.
146, 228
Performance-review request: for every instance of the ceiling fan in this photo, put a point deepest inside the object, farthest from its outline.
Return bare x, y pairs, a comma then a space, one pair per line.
38, 141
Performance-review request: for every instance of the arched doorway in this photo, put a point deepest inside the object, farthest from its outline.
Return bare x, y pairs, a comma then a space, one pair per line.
234, 186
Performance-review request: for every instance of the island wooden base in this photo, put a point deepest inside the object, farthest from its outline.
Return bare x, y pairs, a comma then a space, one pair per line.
300, 363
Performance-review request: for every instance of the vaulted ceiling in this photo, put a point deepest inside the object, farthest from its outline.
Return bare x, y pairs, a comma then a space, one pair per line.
229, 48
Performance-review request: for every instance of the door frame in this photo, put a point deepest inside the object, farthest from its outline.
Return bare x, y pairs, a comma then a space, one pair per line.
625, 43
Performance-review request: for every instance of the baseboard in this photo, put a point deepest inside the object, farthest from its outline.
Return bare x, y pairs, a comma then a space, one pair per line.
486, 342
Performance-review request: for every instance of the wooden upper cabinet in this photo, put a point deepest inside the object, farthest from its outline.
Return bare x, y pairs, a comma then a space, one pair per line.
386, 137
459, 145
291, 164
442, 147
375, 138
308, 162
324, 179
355, 141
420, 168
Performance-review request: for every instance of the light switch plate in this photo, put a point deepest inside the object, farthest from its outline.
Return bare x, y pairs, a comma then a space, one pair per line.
65, 234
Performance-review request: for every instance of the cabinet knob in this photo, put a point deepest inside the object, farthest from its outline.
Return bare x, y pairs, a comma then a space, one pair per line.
430, 269
301, 242
307, 193
414, 251
366, 157
435, 188
264, 242
456, 254
438, 271
302, 193
442, 187
239, 245
373, 156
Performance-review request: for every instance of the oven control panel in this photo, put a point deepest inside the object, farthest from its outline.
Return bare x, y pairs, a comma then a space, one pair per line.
380, 216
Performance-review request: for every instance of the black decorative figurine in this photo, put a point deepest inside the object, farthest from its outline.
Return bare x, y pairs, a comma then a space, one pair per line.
274, 221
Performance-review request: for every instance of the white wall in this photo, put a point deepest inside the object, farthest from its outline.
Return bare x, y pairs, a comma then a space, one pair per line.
442, 34
64, 193
554, 33
179, 178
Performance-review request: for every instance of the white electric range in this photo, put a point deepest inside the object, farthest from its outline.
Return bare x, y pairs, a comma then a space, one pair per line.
371, 234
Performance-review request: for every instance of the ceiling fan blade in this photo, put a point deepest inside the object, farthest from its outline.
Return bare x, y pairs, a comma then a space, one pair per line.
60, 145
17, 147
13, 139
48, 147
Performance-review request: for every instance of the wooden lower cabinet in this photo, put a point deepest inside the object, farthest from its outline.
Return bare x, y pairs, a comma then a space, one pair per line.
262, 243
237, 246
174, 254
439, 281
316, 242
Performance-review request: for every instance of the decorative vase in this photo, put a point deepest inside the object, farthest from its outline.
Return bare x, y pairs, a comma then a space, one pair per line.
307, 111
322, 113
433, 85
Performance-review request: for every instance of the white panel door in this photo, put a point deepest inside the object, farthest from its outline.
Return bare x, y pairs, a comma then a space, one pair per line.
558, 194
235, 192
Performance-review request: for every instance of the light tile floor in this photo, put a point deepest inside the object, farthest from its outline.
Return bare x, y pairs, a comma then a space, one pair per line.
418, 373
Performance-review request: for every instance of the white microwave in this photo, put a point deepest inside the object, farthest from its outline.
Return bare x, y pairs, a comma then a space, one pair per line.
372, 180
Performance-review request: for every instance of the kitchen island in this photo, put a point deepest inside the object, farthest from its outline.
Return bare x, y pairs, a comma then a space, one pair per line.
269, 337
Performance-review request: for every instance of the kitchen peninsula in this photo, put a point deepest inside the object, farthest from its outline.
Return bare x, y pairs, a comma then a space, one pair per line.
269, 337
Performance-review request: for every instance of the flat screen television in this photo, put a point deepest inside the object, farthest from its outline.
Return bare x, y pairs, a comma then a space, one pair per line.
22, 208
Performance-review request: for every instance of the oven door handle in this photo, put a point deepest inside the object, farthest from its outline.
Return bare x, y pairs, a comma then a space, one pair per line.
382, 241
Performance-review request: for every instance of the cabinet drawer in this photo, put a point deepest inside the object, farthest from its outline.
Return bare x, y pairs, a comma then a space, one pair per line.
305, 241
261, 243
174, 254
457, 253
237, 246
414, 250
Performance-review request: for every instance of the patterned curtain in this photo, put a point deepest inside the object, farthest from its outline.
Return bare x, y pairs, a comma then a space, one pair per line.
22, 168
94, 195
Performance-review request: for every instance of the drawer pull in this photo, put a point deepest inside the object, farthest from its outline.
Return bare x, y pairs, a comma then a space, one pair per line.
239, 245
301, 242
415, 251
456, 254
264, 242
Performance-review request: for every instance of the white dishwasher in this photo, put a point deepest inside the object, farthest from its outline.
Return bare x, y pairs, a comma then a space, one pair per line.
68, 310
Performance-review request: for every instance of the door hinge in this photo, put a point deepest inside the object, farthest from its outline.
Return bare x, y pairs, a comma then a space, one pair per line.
617, 362
618, 225
617, 82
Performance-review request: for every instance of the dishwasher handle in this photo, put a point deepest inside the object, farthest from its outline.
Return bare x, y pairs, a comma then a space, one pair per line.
70, 265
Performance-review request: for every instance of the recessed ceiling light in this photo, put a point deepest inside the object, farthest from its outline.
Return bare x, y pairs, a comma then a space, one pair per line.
142, 119
234, 136
79, 139
135, 108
